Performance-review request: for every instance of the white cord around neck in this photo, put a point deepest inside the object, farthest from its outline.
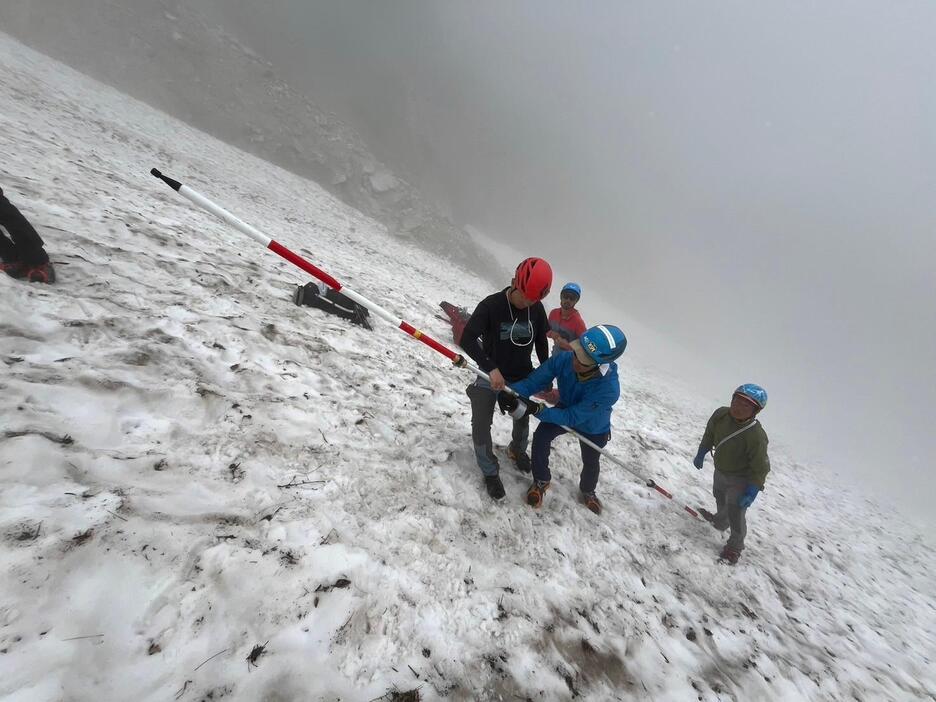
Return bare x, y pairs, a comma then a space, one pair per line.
514, 320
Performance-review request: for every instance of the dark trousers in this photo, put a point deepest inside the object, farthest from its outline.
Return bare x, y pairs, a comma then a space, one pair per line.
542, 445
24, 244
483, 400
727, 490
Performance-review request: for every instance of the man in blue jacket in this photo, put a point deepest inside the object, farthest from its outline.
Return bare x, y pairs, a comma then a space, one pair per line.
588, 388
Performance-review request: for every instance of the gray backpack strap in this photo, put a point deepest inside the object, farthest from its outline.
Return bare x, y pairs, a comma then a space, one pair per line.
733, 435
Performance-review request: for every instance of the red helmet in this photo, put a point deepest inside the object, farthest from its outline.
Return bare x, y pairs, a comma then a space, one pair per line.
533, 278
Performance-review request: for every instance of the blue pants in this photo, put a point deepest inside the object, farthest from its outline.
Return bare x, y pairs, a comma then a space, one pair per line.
542, 445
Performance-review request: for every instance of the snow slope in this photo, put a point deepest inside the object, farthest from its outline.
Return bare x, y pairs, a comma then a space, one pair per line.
191, 467
181, 58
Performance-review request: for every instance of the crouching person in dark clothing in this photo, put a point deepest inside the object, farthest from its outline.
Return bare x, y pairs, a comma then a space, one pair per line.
588, 389
21, 248
739, 445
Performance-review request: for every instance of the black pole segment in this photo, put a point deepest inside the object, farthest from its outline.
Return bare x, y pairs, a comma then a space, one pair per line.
174, 184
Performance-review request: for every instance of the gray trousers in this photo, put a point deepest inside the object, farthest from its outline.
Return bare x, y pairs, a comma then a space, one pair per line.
727, 489
483, 401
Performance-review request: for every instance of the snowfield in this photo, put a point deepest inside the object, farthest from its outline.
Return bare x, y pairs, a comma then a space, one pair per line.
208, 493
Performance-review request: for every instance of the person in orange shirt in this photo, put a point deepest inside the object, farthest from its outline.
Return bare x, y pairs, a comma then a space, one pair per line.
565, 325
565, 322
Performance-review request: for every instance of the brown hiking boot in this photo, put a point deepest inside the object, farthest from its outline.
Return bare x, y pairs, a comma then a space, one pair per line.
534, 496
590, 500
729, 555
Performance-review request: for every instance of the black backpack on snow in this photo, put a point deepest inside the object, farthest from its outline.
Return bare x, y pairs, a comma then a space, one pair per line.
333, 302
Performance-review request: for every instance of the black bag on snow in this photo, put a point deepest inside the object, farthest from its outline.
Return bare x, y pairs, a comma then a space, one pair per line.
331, 301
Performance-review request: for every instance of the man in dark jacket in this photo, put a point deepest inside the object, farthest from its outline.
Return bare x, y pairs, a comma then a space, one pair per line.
21, 249
502, 331
738, 443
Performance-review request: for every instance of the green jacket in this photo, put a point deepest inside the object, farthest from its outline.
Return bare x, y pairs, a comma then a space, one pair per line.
744, 454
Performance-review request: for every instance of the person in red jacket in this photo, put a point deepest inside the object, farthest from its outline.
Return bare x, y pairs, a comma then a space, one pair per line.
565, 326
565, 323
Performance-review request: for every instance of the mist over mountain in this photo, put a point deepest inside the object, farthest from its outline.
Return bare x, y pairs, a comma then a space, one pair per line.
181, 58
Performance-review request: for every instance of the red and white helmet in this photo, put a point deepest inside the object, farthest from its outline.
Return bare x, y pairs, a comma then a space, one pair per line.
533, 278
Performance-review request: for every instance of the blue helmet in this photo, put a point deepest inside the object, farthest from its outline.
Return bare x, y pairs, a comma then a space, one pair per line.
603, 343
572, 287
755, 393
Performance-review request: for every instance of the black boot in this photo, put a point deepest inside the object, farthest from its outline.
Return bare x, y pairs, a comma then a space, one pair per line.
520, 459
495, 488
14, 270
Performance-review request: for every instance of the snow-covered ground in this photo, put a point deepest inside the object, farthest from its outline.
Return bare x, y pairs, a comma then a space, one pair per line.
185, 58
191, 467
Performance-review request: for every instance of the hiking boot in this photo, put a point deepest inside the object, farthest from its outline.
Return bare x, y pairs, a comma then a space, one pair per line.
520, 459
495, 488
534, 496
590, 500
42, 273
729, 555
14, 270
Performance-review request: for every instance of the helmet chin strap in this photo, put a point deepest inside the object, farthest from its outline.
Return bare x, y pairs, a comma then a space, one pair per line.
592, 372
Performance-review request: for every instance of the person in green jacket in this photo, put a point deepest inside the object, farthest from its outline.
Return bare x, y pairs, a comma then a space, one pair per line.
738, 444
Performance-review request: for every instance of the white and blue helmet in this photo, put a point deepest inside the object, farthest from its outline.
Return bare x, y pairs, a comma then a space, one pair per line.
754, 393
603, 343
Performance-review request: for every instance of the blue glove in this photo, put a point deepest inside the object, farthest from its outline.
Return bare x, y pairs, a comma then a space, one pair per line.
699, 459
747, 497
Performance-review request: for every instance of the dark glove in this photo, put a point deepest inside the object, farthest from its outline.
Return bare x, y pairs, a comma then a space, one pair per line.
699, 459
517, 408
747, 497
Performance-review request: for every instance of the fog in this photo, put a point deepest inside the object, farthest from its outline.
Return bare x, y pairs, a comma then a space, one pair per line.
752, 182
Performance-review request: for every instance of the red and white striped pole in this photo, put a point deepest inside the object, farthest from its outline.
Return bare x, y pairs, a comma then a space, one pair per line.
318, 273
297, 260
